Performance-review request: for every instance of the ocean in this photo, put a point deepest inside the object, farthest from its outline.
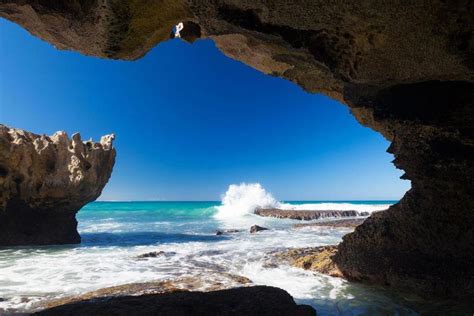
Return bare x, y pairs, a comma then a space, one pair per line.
114, 234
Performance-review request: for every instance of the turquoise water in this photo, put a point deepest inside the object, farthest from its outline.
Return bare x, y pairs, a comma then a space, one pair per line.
115, 233
141, 223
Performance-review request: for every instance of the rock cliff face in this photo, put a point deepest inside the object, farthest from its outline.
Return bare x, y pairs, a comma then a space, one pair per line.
45, 180
405, 69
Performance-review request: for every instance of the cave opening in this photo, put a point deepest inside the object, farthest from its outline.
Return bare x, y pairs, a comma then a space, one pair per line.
417, 93
189, 125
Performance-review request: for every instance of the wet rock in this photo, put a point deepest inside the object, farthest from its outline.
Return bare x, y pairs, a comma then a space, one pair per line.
256, 228
45, 180
232, 231
227, 231
152, 254
353, 222
319, 259
257, 300
205, 282
269, 265
304, 215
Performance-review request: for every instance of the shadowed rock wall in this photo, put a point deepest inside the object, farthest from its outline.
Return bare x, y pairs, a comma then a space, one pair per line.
44, 181
405, 69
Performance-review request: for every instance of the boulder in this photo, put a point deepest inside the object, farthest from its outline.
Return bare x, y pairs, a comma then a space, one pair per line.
256, 229
257, 300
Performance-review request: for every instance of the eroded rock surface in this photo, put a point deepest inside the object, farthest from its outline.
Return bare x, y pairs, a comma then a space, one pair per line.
405, 69
318, 259
306, 215
204, 283
45, 180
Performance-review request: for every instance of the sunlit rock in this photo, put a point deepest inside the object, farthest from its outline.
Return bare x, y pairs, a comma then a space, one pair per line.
45, 180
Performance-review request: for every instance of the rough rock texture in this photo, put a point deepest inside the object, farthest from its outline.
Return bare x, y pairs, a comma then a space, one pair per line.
306, 215
404, 68
45, 180
257, 300
204, 283
104, 28
319, 259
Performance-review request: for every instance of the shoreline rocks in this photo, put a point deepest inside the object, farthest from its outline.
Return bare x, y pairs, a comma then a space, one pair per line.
152, 254
307, 215
255, 229
318, 259
256, 300
204, 283
45, 180
349, 223
227, 232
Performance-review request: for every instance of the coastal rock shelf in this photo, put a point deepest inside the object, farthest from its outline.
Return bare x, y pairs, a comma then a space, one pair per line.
306, 215
257, 300
45, 180
318, 259
349, 223
404, 69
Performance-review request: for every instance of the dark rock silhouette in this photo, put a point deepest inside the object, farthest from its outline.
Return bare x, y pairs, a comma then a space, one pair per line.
257, 300
255, 229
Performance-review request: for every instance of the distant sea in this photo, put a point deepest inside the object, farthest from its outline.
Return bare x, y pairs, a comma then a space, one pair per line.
114, 234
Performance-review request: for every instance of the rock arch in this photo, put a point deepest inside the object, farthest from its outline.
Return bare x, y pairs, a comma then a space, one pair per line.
405, 69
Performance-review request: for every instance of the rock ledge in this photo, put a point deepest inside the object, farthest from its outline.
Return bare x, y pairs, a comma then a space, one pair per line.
45, 180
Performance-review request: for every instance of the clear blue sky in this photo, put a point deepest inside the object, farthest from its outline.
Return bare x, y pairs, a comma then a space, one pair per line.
190, 121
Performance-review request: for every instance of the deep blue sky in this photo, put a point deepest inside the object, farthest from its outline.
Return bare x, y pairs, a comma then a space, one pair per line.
190, 121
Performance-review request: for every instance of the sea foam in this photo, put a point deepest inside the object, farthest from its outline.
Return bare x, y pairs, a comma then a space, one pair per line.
243, 199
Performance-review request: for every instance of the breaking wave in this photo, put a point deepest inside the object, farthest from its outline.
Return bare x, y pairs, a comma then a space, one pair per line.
243, 199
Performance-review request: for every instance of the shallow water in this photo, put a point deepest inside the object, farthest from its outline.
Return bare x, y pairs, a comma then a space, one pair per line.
115, 233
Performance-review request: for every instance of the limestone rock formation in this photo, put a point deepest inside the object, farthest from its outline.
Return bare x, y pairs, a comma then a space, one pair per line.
205, 282
319, 259
307, 215
405, 69
45, 180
